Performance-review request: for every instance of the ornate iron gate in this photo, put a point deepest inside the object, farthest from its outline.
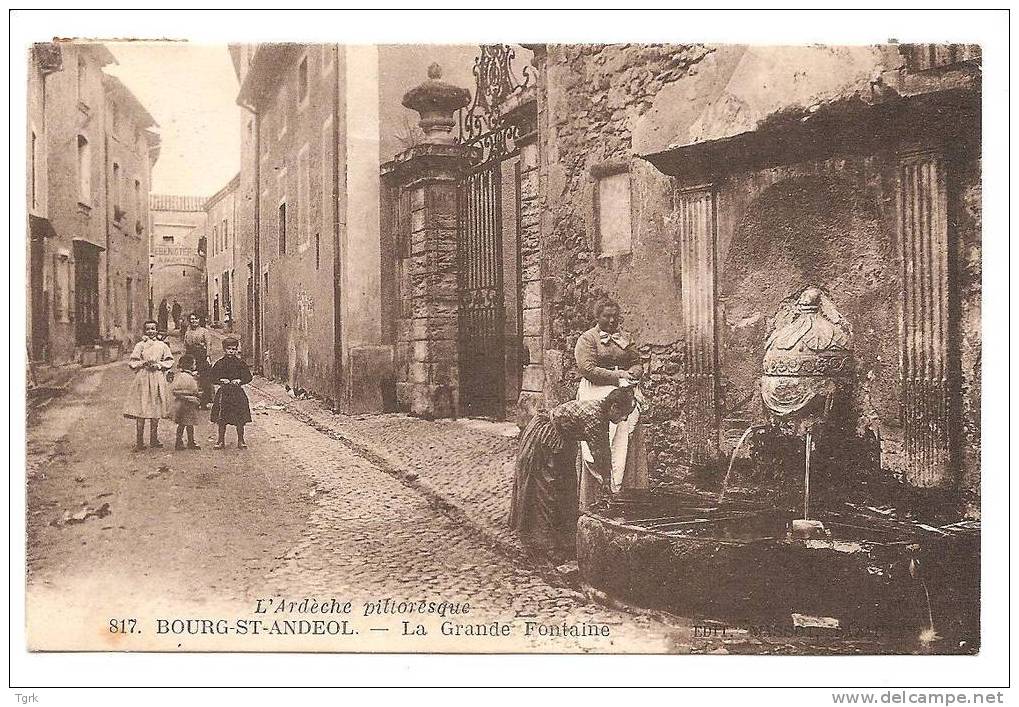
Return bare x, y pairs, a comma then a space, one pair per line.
488, 135
482, 321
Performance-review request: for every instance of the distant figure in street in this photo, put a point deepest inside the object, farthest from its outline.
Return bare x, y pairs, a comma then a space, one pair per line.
544, 506
164, 315
176, 311
149, 396
163, 336
121, 337
186, 399
197, 342
230, 406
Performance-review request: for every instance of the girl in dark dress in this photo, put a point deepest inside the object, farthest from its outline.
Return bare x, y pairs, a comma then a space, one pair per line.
230, 406
544, 507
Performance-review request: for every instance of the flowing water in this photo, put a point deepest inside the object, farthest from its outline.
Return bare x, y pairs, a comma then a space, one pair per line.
732, 460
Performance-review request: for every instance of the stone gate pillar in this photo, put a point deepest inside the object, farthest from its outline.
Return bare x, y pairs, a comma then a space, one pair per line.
424, 182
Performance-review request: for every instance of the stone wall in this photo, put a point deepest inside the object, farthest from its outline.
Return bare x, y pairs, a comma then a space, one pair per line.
532, 382
244, 235
831, 224
178, 270
128, 216
298, 307
595, 96
421, 190
74, 107
220, 231
824, 214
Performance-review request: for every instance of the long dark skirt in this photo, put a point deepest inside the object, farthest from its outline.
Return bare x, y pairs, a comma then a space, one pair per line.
230, 406
544, 507
202, 364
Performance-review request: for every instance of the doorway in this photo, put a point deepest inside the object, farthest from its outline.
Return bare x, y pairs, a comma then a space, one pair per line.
86, 294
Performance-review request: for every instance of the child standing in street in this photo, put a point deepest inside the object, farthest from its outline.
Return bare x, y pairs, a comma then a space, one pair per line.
187, 398
230, 406
149, 395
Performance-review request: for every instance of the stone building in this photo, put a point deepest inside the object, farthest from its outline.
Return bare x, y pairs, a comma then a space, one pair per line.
220, 232
319, 122
177, 253
90, 269
128, 182
43, 60
245, 231
705, 186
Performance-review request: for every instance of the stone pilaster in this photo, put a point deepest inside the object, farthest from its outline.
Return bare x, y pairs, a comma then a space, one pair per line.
695, 218
923, 250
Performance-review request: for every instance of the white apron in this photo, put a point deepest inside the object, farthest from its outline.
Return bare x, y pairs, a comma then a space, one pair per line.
619, 435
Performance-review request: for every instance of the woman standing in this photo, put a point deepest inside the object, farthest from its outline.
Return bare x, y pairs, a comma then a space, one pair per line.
544, 506
149, 396
197, 342
163, 316
607, 359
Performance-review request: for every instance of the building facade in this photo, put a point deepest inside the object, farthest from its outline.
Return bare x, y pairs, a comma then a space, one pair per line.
128, 183
664, 177
704, 204
245, 228
661, 176
177, 253
91, 272
43, 60
220, 231
311, 183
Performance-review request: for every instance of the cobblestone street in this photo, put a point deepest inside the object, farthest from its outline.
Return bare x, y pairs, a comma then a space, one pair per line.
299, 514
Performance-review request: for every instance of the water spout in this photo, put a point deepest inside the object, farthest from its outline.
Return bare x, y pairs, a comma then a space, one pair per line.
732, 459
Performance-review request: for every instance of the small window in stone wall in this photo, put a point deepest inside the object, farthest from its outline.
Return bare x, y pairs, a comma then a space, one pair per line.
612, 212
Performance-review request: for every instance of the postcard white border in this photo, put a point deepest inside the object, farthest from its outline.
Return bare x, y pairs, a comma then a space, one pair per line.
471, 26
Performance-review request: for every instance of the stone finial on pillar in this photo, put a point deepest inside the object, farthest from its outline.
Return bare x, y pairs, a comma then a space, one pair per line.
436, 101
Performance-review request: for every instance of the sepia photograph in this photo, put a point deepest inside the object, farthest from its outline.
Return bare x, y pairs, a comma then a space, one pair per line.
502, 348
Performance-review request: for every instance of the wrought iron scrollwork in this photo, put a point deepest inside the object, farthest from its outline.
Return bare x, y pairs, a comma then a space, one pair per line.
485, 127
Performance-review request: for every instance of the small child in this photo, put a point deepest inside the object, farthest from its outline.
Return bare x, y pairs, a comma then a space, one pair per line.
230, 406
187, 398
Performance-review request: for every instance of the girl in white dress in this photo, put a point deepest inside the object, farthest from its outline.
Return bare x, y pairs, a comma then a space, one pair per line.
149, 396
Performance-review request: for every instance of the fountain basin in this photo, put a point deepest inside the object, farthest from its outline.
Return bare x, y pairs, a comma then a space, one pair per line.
741, 567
